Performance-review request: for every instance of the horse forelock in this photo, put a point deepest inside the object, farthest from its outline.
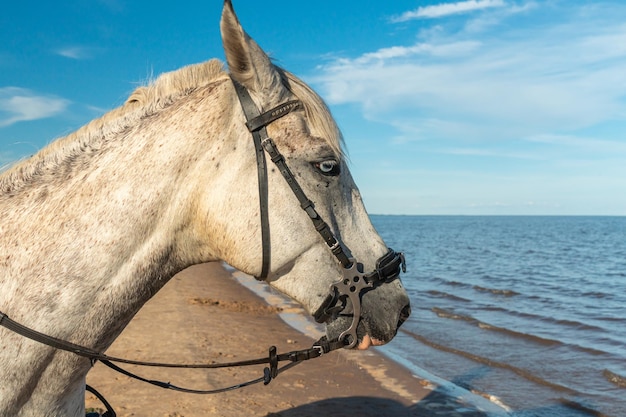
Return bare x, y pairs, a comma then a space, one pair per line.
321, 121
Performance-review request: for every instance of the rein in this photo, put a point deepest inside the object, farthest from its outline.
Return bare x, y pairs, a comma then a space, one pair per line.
294, 358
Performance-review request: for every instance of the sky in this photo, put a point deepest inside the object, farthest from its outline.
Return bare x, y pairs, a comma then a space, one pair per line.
486, 107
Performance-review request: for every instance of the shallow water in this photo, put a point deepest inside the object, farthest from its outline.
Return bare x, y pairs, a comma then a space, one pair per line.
528, 309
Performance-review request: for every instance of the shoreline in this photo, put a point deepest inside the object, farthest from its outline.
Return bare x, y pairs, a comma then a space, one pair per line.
295, 316
205, 315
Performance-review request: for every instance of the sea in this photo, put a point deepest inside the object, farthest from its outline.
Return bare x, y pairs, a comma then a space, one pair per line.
527, 313
530, 310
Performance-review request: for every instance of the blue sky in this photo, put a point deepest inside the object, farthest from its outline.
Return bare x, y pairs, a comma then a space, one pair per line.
467, 107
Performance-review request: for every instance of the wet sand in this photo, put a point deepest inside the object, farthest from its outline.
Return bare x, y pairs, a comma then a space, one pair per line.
203, 315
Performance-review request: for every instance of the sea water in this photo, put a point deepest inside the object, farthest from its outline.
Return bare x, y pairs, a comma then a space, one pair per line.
531, 310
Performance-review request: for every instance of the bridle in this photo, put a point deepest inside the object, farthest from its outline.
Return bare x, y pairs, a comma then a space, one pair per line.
350, 287
354, 281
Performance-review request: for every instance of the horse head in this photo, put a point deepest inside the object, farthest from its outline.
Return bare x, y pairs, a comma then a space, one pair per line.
298, 260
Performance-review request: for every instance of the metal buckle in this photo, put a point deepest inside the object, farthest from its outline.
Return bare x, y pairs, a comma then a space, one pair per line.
320, 350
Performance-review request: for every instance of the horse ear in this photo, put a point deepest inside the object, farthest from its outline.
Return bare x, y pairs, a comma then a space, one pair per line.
247, 62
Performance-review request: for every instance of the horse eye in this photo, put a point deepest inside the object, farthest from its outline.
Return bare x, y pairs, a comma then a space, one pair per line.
329, 167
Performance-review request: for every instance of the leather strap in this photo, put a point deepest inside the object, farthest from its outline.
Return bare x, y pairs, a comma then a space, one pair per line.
110, 412
319, 348
307, 205
388, 267
257, 123
273, 115
259, 134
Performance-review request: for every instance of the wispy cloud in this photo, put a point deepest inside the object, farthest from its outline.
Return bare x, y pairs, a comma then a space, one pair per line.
587, 145
511, 82
492, 153
76, 52
20, 104
525, 101
447, 9
421, 48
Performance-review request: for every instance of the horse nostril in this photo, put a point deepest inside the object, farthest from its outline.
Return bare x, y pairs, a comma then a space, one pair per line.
404, 314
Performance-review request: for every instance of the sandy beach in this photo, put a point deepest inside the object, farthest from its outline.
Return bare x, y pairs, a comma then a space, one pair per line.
203, 315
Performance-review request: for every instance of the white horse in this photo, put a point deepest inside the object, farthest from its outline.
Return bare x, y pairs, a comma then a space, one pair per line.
95, 224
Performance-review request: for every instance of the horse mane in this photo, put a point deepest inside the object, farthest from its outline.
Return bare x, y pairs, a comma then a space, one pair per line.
146, 101
92, 137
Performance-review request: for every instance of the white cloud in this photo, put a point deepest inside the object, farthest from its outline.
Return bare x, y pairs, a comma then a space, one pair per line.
447, 9
71, 52
425, 49
76, 52
484, 21
19, 104
526, 102
516, 81
493, 153
587, 145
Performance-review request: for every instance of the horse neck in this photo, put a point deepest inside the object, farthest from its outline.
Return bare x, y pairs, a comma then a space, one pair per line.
79, 256
108, 235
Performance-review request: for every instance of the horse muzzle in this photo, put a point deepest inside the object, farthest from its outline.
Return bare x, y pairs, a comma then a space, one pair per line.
374, 304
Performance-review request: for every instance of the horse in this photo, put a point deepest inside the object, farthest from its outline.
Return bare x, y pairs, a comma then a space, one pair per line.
93, 225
